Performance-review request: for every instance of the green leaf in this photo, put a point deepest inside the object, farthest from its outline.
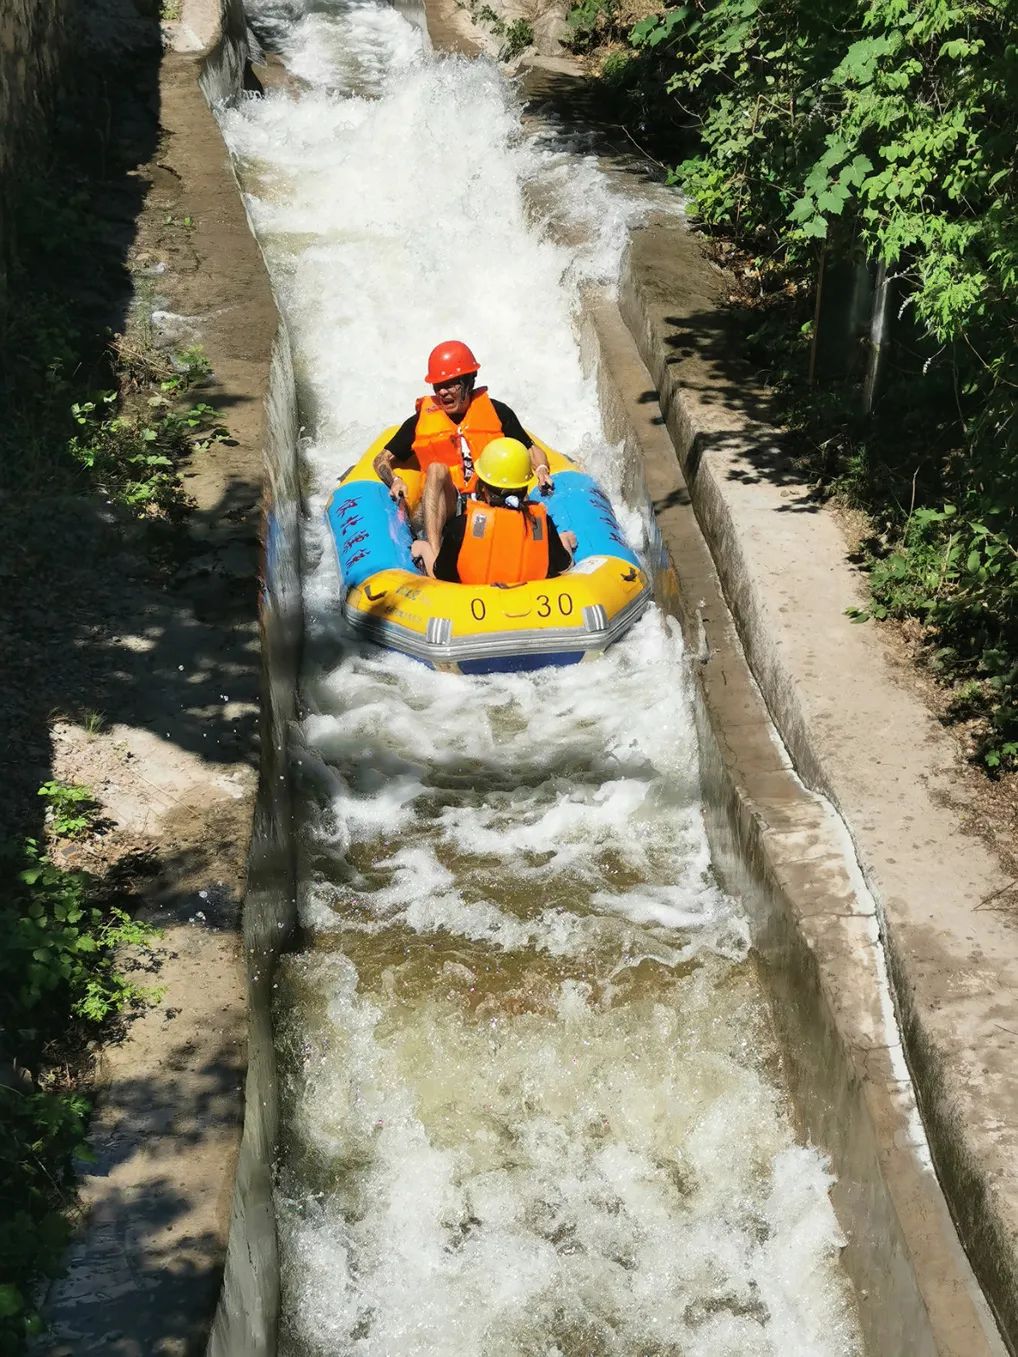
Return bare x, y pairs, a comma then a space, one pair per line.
832, 199
816, 228
855, 172
859, 63
959, 47
803, 209
11, 1301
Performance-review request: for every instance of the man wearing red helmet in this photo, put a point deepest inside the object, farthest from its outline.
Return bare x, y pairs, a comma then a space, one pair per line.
447, 433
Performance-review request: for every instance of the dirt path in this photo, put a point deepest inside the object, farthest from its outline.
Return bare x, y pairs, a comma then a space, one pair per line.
155, 630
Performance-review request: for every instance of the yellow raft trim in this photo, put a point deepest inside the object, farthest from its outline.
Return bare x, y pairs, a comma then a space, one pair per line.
583, 610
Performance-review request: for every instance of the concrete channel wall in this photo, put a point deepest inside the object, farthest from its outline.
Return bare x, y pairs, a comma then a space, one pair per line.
860, 737
248, 1311
784, 850
34, 41
782, 846
247, 1317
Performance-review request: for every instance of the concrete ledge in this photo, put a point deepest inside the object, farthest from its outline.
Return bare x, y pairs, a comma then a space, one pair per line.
784, 849
859, 737
247, 1317
145, 1271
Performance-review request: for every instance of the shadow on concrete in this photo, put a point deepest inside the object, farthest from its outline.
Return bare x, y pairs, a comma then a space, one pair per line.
706, 343
581, 105
113, 614
138, 1238
107, 612
95, 634
705, 354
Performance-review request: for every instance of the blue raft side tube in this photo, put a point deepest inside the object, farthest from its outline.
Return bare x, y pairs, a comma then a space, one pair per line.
578, 504
370, 532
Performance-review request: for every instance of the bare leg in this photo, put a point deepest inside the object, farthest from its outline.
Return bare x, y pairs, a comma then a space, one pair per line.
439, 503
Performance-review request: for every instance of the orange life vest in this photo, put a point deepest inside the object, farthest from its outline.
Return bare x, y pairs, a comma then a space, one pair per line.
503, 546
438, 439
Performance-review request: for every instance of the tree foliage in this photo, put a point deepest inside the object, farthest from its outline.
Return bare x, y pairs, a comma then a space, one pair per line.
59, 983
883, 130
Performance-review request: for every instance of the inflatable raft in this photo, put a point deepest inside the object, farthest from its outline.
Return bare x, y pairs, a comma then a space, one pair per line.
489, 628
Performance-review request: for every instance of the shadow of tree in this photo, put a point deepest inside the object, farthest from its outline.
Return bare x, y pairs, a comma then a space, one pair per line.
706, 343
151, 624
145, 622
705, 356
576, 102
144, 1279
94, 633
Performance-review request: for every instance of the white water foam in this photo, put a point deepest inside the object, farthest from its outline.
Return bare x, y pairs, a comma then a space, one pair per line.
531, 1102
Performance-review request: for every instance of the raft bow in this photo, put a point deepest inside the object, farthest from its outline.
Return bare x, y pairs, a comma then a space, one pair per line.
488, 628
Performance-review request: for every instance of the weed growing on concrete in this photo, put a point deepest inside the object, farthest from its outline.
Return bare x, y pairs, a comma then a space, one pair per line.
92, 723
134, 458
71, 809
190, 368
517, 35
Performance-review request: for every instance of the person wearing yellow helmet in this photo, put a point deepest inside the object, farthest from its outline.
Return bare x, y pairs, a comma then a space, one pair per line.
500, 537
447, 433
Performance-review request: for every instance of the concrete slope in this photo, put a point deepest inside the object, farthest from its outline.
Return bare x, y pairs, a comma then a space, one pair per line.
859, 735
144, 1269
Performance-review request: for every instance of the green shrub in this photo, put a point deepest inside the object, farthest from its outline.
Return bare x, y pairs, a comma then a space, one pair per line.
872, 129
43, 1133
72, 809
517, 37
191, 368
961, 577
590, 20
58, 981
57, 947
134, 459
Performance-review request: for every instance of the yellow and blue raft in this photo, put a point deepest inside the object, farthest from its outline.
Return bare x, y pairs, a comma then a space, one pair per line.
489, 628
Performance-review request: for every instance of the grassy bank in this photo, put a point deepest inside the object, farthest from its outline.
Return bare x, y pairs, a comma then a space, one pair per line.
818, 146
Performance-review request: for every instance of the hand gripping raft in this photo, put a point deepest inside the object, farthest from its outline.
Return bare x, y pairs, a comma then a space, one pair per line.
483, 629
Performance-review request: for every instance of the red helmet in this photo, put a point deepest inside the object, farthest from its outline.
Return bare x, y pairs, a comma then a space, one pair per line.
448, 360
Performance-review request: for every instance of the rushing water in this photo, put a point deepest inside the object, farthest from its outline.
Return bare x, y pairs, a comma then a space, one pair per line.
531, 1099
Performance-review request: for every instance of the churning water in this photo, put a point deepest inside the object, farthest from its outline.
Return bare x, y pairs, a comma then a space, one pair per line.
531, 1100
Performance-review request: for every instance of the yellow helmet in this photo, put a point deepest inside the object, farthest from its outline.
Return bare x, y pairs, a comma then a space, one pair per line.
505, 464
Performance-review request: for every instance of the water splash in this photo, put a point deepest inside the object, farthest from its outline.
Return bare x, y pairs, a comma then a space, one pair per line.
532, 1102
